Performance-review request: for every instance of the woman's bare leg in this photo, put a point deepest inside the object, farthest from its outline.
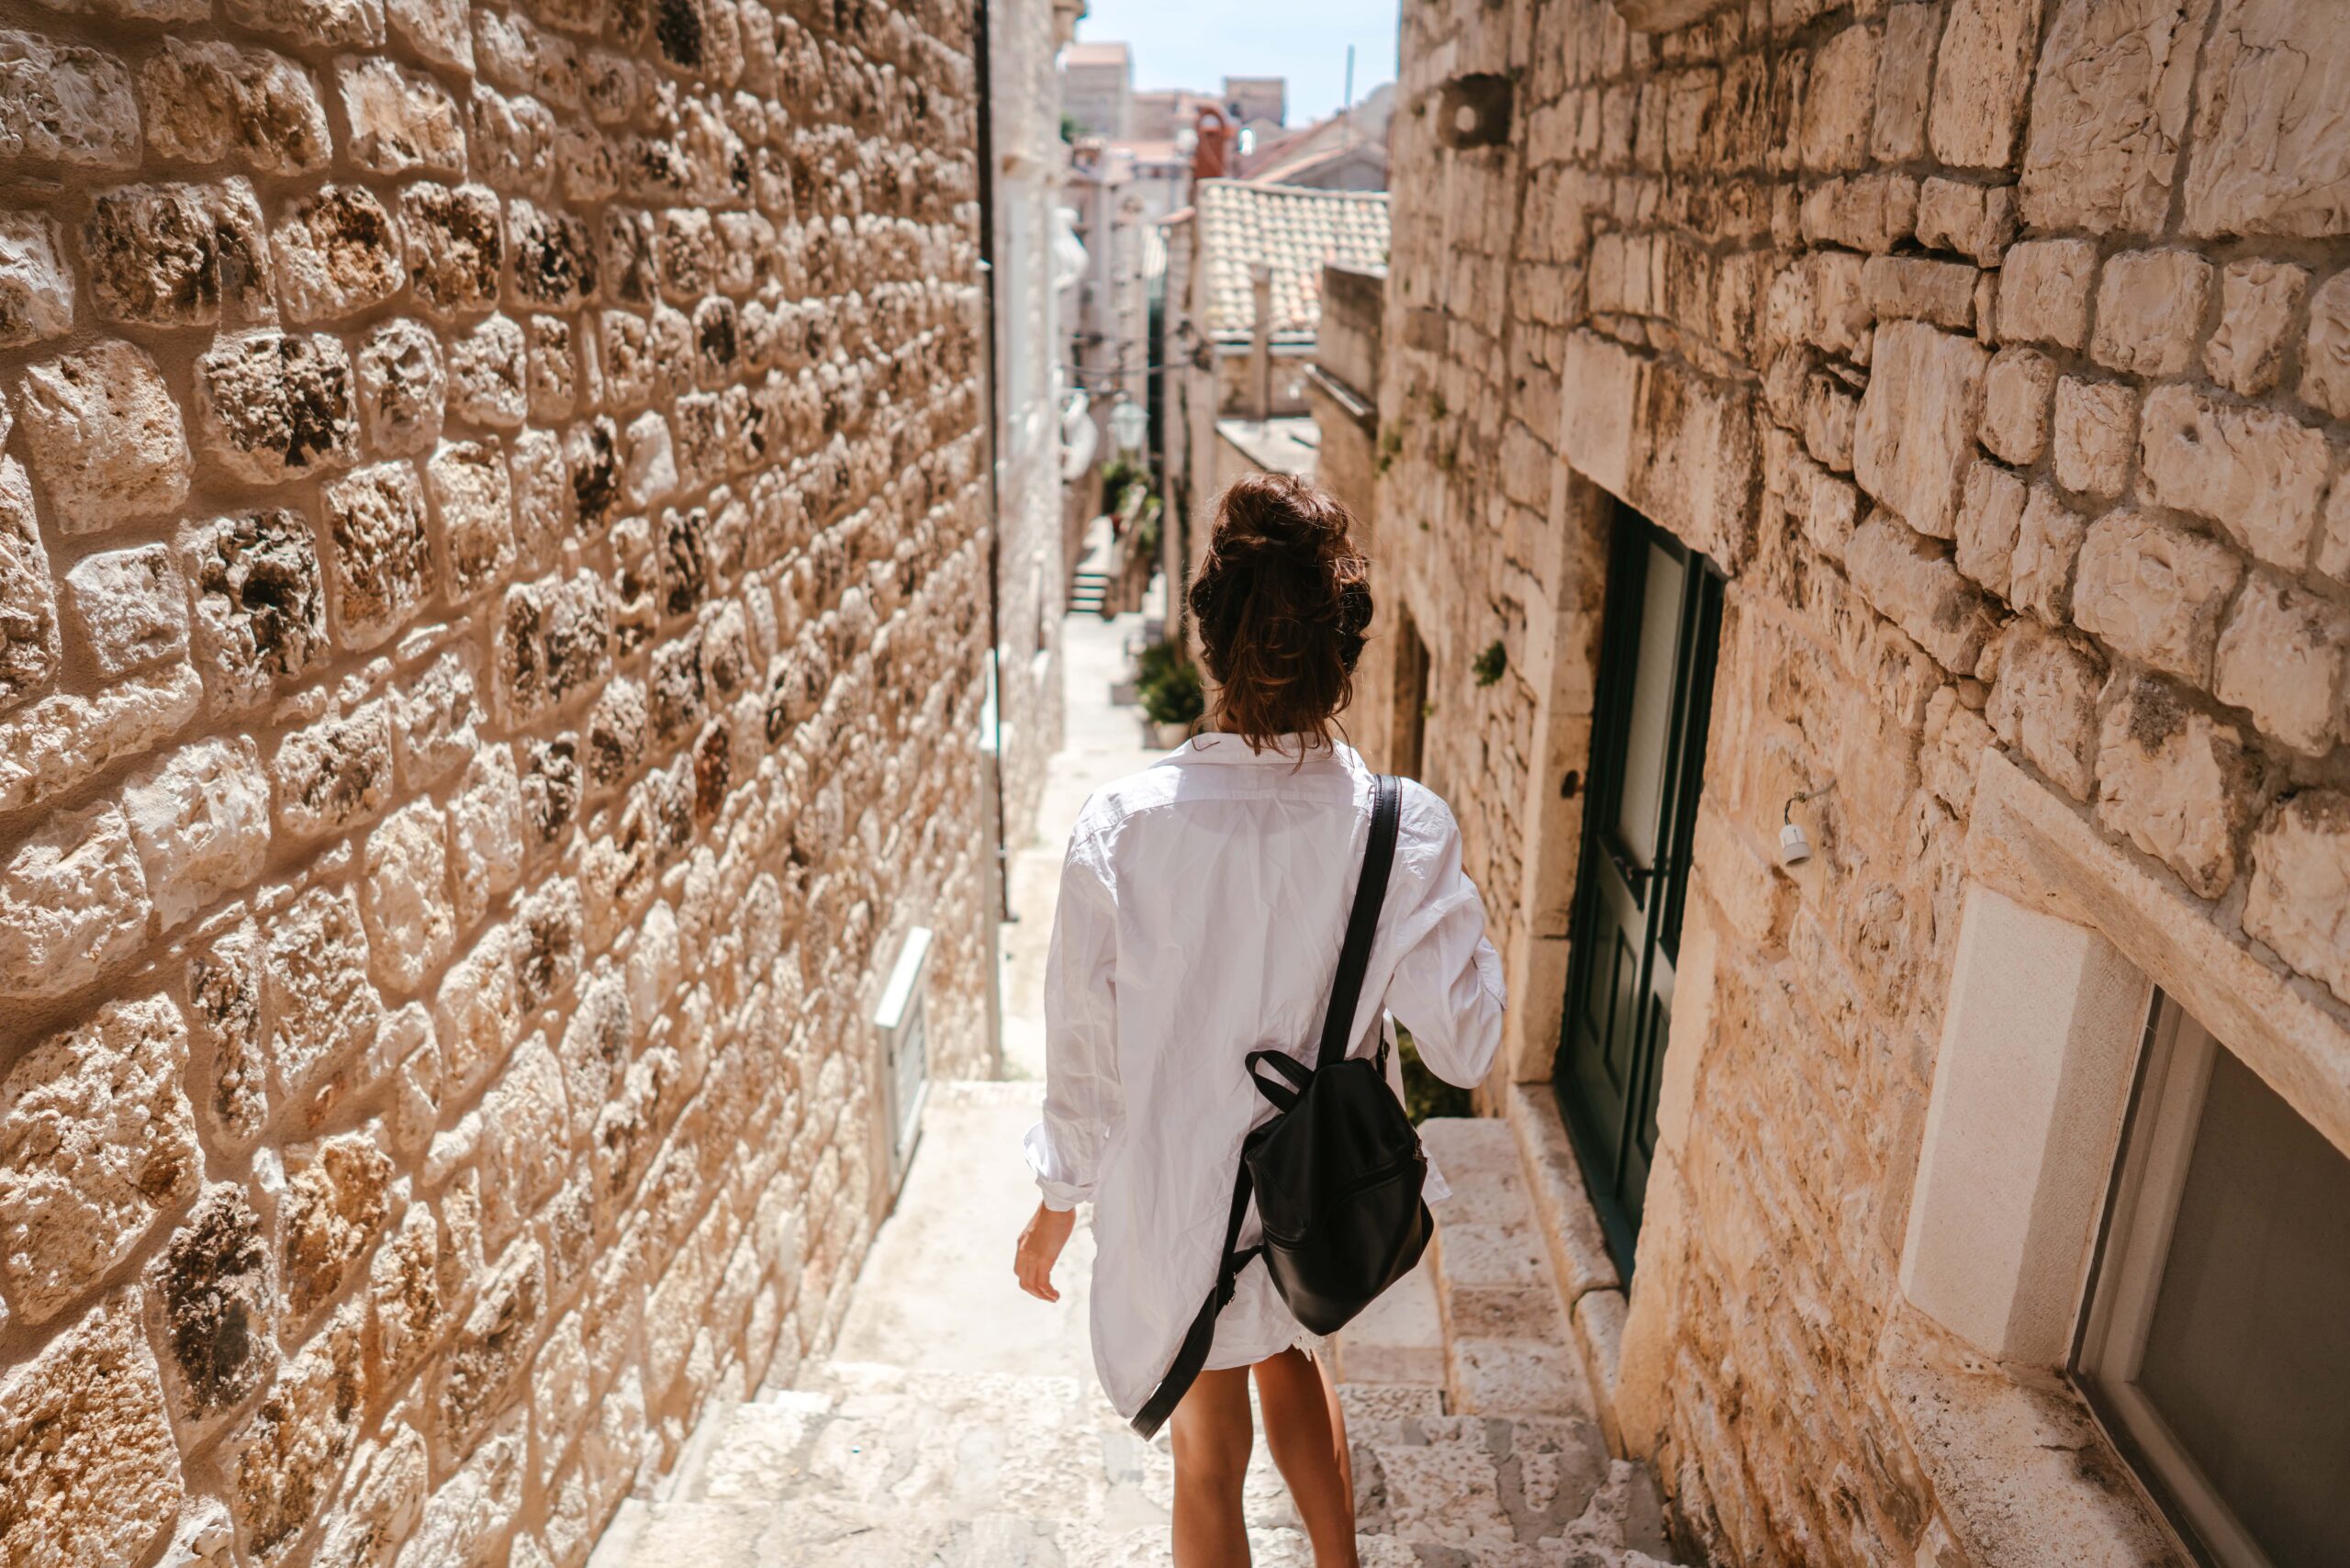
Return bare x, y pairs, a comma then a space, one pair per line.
1210, 1430
1307, 1431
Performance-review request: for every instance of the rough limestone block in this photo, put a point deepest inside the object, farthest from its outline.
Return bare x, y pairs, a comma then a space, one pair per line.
486, 374
2268, 154
334, 774
2258, 472
546, 507
2325, 359
260, 606
209, 102
2300, 898
1990, 512
1840, 106
485, 831
551, 787
2257, 298
473, 507
224, 1008
1904, 78
1980, 81
321, 1007
96, 1142
1865, 212
2108, 111
200, 818
652, 471
2044, 704
2044, 292
285, 1459
36, 287
2048, 538
1942, 293
87, 1458
402, 388
29, 635
1977, 221
337, 253
63, 104
58, 743
2150, 311
382, 556
456, 247
528, 1120
328, 24
333, 1208
103, 437
553, 368
381, 1508
277, 406
178, 255
1916, 424
434, 732
616, 727
128, 608
2176, 782
2154, 591
2096, 430
554, 262
2281, 657
2333, 538
1912, 582
72, 902
435, 30
402, 121
512, 138
216, 1294
411, 921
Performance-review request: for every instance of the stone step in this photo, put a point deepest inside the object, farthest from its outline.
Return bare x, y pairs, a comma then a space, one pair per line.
1398, 1339
1507, 1344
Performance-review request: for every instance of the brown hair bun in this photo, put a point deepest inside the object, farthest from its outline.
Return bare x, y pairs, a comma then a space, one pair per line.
1283, 602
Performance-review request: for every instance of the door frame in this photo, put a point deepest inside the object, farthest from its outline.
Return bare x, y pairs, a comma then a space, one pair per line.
1697, 650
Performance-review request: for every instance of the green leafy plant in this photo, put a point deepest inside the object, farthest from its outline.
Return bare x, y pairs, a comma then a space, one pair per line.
1425, 1094
1146, 532
1169, 689
1488, 666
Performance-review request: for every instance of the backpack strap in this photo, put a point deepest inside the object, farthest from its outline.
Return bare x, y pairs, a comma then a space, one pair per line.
1363, 921
1193, 1354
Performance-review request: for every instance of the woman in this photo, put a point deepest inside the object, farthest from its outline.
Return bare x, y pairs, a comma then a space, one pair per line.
1201, 910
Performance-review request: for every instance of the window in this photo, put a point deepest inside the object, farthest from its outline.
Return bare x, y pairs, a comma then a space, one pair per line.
2216, 1346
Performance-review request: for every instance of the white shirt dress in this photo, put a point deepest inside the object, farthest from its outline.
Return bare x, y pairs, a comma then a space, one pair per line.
1200, 910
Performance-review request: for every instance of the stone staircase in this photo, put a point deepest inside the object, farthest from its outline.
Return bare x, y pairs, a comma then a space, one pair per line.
1475, 1443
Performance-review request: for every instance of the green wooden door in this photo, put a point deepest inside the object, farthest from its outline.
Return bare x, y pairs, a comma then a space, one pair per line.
1656, 664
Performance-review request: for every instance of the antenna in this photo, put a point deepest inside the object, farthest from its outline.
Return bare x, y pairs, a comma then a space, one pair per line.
1346, 110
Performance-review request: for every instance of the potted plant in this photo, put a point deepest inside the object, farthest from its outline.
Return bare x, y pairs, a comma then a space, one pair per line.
1168, 688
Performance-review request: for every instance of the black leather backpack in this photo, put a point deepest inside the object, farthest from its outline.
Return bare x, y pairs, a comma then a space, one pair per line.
1336, 1173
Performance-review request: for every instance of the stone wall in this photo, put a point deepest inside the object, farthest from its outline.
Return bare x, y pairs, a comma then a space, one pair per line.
2000, 353
492, 584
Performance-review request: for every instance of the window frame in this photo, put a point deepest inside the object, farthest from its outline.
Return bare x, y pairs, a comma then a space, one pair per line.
2150, 1170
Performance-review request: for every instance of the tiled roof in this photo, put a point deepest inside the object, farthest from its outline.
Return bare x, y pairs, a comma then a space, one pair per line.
1294, 231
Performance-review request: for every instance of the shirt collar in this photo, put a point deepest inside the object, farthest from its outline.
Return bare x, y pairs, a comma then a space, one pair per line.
1217, 747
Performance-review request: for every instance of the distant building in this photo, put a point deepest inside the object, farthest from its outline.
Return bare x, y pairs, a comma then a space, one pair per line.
1106, 310
1098, 89
1258, 99
1345, 151
1244, 290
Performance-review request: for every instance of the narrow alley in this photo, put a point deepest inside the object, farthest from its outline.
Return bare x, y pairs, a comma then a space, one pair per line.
956, 1422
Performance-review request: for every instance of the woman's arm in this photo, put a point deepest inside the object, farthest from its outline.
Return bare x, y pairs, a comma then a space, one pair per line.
1083, 1101
1447, 987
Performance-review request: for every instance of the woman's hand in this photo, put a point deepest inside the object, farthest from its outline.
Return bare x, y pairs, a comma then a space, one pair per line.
1041, 1240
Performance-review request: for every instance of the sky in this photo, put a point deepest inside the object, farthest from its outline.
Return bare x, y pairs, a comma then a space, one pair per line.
1198, 43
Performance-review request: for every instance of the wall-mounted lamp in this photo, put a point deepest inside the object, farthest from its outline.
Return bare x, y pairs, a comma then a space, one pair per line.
1795, 846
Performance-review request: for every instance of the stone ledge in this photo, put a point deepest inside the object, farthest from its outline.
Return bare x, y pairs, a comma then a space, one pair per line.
2022, 1475
1591, 1288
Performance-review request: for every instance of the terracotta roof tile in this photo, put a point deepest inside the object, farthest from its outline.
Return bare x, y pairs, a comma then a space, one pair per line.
1291, 230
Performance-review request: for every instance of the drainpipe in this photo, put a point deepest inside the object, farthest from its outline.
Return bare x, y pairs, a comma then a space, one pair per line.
1260, 341
984, 67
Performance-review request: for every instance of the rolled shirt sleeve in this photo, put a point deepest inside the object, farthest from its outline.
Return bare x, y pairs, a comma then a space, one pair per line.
1448, 988
1083, 1101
